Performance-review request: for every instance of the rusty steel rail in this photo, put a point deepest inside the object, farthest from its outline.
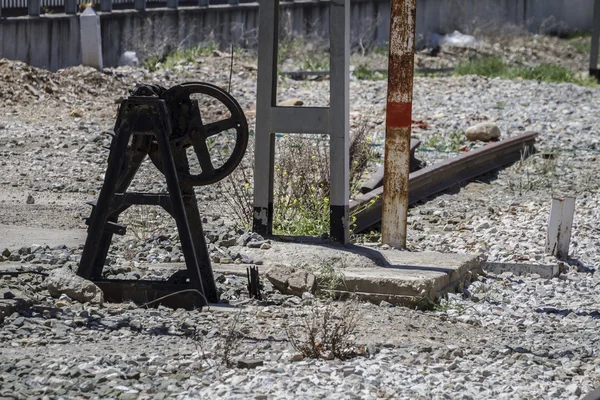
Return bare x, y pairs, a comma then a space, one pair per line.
377, 178
441, 176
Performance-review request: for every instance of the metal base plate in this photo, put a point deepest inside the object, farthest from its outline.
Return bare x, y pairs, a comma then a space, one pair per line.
147, 293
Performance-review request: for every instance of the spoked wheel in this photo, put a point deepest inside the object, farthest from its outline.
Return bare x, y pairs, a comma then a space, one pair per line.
190, 130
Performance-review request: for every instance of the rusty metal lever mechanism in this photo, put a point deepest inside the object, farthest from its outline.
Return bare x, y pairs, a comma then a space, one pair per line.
162, 124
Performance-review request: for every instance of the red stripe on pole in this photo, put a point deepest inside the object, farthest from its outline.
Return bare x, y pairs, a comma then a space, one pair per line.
398, 115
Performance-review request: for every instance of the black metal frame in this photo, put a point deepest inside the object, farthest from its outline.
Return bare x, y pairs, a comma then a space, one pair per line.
143, 118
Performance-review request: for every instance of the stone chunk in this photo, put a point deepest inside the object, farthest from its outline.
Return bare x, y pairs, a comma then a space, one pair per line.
484, 132
290, 280
64, 281
248, 237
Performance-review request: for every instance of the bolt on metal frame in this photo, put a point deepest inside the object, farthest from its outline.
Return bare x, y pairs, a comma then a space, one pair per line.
332, 120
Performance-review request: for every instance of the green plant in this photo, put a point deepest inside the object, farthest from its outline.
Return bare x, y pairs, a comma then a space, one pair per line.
329, 275
491, 66
317, 61
302, 180
180, 56
434, 142
456, 141
581, 42
364, 72
495, 67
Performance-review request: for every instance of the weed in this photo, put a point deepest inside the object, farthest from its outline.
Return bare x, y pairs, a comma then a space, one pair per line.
180, 56
434, 142
491, 66
317, 61
238, 191
580, 41
364, 72
455, 142
494, 66
231, 342
144, 222
302, 180
327, 332
329, 275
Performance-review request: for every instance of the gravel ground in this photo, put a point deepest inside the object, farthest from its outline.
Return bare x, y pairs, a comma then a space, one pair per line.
505, 337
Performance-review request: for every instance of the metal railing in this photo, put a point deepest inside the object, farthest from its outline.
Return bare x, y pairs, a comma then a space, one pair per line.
35, 8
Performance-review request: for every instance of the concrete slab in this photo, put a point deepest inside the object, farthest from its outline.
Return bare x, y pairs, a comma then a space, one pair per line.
15, 236
399, 277
547, 271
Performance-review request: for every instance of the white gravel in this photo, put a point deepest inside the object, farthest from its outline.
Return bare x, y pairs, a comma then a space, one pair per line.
504, 338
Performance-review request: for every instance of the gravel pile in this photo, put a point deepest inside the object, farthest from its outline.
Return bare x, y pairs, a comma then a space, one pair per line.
504, 337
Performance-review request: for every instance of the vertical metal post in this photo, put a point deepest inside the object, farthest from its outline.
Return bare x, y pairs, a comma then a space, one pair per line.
173, 4
339, 118
266, 98
398, 122
33, 7
559, 226
70, 6
106, 5
594, 70
139, 5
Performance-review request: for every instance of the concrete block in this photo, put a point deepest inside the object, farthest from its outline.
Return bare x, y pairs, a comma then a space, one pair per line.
545, 271
91, 39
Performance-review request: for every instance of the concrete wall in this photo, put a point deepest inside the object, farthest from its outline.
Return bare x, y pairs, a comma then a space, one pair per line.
52, 41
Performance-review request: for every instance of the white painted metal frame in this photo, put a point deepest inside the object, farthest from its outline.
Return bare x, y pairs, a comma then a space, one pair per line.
332, 120
560, 226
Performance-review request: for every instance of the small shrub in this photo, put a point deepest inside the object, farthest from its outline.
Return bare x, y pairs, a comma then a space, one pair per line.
327, 332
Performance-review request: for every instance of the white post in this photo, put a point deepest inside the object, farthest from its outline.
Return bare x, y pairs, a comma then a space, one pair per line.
559, 226
266, 98
91, 40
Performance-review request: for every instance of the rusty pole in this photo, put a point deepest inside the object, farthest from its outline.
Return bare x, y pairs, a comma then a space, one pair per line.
398, 122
